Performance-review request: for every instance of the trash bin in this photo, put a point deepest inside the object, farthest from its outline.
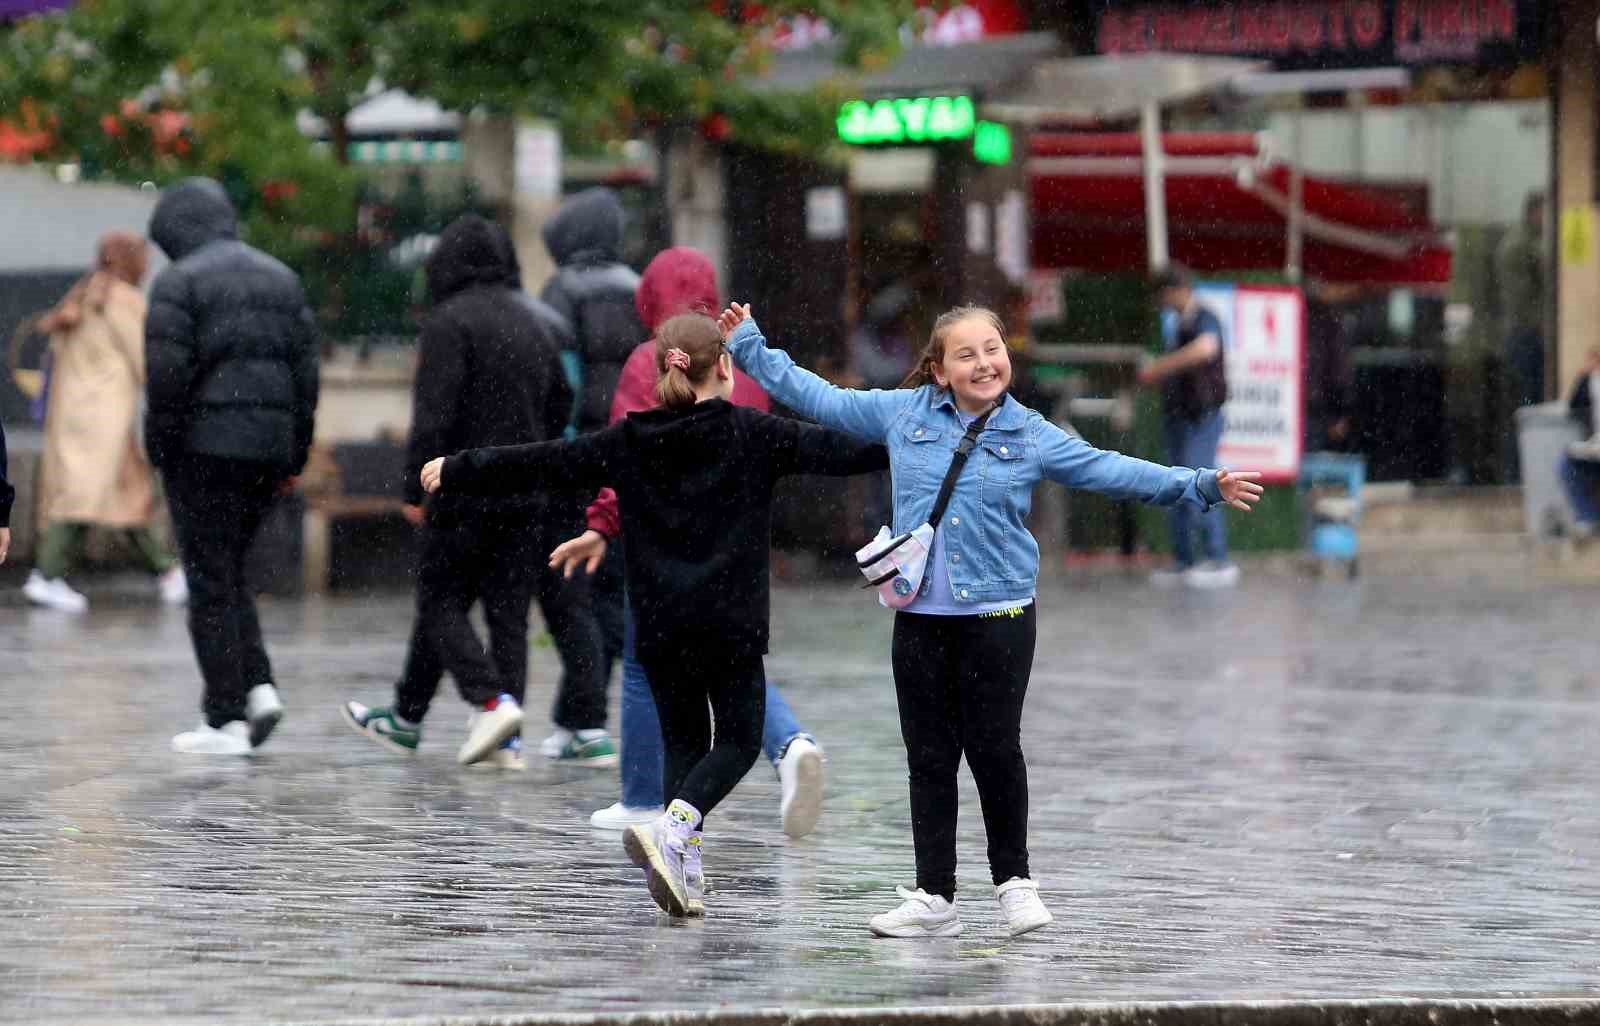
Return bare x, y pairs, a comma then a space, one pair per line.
1543, 432
1333, 521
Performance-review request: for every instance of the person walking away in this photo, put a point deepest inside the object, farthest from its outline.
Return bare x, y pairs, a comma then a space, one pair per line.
963, 645
694, 480
677, 281
95, 473
488, 373
1194, 386
596, 293
231, 392
1580, 464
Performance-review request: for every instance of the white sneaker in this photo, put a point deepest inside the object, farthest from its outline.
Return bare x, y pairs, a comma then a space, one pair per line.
552, 746
1212, 576
263, 708
800, 771
174, 587
489, 727
1019, 899
618, 816
920, 915
232, 738
54, 593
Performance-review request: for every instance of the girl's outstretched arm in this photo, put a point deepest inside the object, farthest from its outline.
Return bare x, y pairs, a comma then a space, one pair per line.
867, 414
583, 462
1077, 464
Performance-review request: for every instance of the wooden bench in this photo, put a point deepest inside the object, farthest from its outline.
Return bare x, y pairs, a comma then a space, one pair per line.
349, 482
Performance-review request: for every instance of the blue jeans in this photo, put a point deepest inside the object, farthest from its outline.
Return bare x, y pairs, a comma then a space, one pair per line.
642, 750
1193, 443
1580, 478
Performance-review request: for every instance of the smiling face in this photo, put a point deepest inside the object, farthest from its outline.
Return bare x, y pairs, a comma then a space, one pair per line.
976, 367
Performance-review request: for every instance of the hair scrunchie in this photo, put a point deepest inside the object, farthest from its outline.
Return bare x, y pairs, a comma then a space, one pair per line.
677, 359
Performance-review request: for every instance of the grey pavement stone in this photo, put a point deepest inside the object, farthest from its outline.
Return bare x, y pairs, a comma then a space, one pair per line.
1297, 791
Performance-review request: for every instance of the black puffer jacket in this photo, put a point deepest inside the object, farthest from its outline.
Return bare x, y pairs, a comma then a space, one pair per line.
594, 291
489, 366
230, 345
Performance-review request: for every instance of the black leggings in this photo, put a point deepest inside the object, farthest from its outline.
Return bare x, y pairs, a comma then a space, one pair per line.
960, 682
689, 692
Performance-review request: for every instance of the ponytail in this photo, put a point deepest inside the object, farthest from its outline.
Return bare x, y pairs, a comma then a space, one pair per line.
687, 350
673, 389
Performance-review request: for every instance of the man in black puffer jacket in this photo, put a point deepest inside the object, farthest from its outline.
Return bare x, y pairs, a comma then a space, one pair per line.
231, 371
488, 373
594, 291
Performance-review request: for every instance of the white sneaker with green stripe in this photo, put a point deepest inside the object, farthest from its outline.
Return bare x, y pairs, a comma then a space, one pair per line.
382, 726
592, 749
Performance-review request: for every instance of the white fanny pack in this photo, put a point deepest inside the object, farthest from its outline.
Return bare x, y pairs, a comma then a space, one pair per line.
895, 564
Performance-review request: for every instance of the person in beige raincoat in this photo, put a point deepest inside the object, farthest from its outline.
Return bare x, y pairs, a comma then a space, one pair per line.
95, 472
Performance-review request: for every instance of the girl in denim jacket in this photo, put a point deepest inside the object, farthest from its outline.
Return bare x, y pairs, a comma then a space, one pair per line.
963, 650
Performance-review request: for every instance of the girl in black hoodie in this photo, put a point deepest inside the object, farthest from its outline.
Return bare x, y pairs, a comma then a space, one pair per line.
694, 480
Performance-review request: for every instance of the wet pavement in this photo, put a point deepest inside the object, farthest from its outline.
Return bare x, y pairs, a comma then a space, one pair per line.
1296, 790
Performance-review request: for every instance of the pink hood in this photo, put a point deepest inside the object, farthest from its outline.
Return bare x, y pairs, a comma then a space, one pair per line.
679, 280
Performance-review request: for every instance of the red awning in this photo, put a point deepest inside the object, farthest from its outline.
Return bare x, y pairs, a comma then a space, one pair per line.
1227, 210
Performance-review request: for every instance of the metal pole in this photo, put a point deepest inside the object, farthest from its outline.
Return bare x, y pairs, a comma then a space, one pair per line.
1155, 184
1297, 234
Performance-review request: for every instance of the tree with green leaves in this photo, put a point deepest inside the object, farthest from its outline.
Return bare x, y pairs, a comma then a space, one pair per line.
152, 90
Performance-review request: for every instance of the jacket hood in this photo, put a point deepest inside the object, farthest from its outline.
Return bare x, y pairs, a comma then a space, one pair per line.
679, 280
587, 228
189, 215
471, 251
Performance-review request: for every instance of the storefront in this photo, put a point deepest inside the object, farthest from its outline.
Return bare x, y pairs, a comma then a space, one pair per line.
1425, 126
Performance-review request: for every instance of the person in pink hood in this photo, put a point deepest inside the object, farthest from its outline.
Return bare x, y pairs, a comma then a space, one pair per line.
681, 280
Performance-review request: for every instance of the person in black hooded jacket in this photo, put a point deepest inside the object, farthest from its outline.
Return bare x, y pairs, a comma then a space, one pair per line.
231, 393
488, 374
595, 291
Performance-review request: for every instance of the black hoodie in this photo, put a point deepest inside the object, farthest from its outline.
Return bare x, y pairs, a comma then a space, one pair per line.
230, 344
489, 365
695, 489
594, 291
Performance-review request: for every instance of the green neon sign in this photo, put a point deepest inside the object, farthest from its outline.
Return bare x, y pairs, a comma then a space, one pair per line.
923, 119
991, 143
916, 119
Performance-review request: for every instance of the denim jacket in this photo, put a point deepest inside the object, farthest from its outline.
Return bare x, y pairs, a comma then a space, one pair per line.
989, 554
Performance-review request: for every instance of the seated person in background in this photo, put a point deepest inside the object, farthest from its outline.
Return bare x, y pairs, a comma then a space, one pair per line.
1580, 464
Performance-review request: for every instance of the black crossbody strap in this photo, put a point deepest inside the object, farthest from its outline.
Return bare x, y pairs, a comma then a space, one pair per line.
968, 442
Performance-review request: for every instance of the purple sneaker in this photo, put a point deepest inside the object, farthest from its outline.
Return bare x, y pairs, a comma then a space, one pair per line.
660, 848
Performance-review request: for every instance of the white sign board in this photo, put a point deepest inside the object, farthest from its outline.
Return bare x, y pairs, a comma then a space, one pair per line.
1011, 236
1044, 297
537, 160
1264, 346
977, 227
826, 214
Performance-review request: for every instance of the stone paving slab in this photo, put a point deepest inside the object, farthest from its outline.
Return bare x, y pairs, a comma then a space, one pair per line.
1298, 791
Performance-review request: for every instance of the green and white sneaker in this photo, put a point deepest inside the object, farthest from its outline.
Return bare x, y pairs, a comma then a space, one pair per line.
381, 726
593, 749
